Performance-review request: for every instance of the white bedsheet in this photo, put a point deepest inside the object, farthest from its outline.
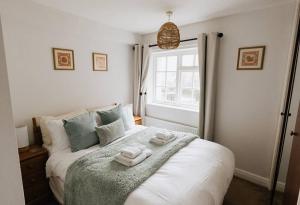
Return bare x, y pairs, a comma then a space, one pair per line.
200, 173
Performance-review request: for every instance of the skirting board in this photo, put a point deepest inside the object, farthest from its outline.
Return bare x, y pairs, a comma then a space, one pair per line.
256, 179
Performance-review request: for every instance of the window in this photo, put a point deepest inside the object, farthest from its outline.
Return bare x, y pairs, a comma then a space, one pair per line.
176, 78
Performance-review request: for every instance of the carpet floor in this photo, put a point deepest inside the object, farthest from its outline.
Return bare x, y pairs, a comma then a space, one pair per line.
240, 192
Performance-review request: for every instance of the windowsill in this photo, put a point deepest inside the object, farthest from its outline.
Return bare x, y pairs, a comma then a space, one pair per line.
174, 107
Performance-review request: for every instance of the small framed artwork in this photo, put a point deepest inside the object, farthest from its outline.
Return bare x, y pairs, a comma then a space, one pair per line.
99, 62
63, 59
251, 58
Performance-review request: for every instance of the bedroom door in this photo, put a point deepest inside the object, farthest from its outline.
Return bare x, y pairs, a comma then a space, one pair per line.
293, 177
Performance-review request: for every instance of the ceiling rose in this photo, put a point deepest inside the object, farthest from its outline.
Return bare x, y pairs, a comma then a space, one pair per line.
168, 36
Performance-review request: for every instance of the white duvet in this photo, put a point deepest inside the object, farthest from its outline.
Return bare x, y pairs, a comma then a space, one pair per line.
199, 173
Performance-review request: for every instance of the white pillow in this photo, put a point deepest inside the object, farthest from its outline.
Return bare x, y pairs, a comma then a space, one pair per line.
42, 121
45, 133
128, 116
59, 137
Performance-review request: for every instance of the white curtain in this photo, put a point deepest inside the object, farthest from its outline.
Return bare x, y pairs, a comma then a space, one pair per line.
137, 78
144, 79
208, 47
141, 70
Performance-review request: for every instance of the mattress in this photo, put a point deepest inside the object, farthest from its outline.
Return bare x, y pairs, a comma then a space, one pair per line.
199, 173
57, 187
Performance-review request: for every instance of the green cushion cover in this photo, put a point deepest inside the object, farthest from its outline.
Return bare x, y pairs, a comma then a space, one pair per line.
109, 116
81, 131
111, 132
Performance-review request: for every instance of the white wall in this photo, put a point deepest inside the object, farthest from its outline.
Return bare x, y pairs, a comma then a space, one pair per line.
31, 30
11, 191
248, 102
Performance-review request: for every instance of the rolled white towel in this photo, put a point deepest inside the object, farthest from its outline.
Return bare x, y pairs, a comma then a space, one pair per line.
132, 162
158, 141
131, 152
164, 135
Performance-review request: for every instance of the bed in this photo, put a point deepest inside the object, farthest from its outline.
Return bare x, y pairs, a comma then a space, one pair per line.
200, 173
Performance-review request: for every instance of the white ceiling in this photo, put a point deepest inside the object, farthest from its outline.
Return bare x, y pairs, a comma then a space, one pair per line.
144, 16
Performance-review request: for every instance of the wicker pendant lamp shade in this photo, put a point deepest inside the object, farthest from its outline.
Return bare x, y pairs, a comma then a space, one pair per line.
168, 36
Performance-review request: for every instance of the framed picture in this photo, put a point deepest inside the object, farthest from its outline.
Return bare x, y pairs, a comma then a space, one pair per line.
63, 59
99, 62
251, 58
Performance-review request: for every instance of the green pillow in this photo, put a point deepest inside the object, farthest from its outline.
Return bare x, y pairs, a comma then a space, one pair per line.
109, 116
81, 131
111, 132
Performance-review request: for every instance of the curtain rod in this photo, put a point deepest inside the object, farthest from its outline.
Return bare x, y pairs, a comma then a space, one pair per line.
220, 35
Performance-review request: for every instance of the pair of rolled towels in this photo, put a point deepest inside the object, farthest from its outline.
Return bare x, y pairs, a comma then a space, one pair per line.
133, 154
163, 137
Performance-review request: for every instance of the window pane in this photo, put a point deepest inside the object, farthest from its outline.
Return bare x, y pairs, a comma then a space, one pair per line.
161, 63
188, 60
160, 93
160, 78
186, 95
172, 63
176, 78
196, 61
171, 94
171, 79
196, 80
196, 96
187, 79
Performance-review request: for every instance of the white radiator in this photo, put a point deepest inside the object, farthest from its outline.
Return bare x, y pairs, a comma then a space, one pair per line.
150, 121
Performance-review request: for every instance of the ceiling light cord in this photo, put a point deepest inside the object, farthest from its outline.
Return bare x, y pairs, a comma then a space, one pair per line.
169, 14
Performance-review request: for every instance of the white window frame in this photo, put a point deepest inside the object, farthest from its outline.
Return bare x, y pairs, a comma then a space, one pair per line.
195, 69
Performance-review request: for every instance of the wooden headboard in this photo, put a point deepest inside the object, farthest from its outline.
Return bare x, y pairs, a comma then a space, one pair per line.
37, 133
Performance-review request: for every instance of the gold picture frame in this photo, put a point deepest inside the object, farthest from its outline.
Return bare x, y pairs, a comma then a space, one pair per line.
100, 62
251, 58
63, 59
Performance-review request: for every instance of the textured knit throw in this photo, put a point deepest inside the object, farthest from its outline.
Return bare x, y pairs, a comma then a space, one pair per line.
96, 179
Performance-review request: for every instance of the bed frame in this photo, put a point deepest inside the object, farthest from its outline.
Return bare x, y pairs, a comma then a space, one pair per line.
37, 133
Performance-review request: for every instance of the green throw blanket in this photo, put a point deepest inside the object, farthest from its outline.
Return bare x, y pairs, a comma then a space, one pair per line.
96, 179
